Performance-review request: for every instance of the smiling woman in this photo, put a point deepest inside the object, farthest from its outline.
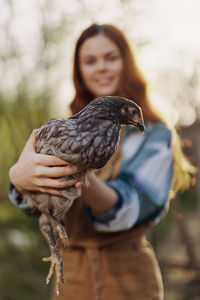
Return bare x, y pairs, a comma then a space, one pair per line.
101, 65
111, 71
108, 255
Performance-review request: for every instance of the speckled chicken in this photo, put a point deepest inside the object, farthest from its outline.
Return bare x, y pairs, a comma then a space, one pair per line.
87, 140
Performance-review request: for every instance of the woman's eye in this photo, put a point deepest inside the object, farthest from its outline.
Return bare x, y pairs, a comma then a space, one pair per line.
89, 62
113, 57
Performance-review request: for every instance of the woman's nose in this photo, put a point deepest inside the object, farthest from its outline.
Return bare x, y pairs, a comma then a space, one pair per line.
101, 65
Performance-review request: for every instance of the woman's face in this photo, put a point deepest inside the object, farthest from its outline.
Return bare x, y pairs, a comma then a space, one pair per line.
101, 65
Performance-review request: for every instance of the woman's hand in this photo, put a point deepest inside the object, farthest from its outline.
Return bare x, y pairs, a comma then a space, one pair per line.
105, 197
39, 172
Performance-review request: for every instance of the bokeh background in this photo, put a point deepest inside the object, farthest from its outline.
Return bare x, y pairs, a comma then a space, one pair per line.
37, 39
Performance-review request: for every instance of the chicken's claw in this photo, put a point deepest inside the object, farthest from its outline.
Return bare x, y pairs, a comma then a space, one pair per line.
56, 266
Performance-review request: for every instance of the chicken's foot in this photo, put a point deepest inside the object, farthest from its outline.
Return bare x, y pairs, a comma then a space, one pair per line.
54, 259
56, 266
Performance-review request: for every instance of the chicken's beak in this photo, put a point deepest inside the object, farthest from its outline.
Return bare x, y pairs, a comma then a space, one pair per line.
140, 126
138, 122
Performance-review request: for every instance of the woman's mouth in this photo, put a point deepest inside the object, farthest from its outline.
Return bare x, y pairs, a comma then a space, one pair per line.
104, 81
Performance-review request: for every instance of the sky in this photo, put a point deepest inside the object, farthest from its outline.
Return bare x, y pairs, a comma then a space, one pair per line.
165, 34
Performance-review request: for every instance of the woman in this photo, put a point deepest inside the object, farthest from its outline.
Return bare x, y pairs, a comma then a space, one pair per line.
109, 256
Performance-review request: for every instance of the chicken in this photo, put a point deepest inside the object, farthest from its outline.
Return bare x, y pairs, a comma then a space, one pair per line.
87, 140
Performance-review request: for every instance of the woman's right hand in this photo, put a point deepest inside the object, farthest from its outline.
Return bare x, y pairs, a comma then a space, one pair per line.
40, 172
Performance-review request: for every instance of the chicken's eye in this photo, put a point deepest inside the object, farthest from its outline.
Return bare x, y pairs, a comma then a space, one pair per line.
132, 111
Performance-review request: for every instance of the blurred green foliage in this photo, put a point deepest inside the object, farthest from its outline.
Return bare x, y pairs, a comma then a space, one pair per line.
189, 200
24, 106
17, 120
22, 272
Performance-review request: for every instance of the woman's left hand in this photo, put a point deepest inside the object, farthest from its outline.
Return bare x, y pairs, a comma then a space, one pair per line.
40, 172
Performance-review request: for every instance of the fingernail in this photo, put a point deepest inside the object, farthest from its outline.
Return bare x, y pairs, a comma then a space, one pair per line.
79, 184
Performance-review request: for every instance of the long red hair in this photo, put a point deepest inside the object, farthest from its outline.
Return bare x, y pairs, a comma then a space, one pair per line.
134, 87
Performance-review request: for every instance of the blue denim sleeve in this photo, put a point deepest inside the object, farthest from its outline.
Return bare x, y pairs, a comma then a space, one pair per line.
143, 183
18, 200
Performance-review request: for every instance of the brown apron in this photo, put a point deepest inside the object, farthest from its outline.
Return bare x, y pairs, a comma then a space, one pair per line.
107, 266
